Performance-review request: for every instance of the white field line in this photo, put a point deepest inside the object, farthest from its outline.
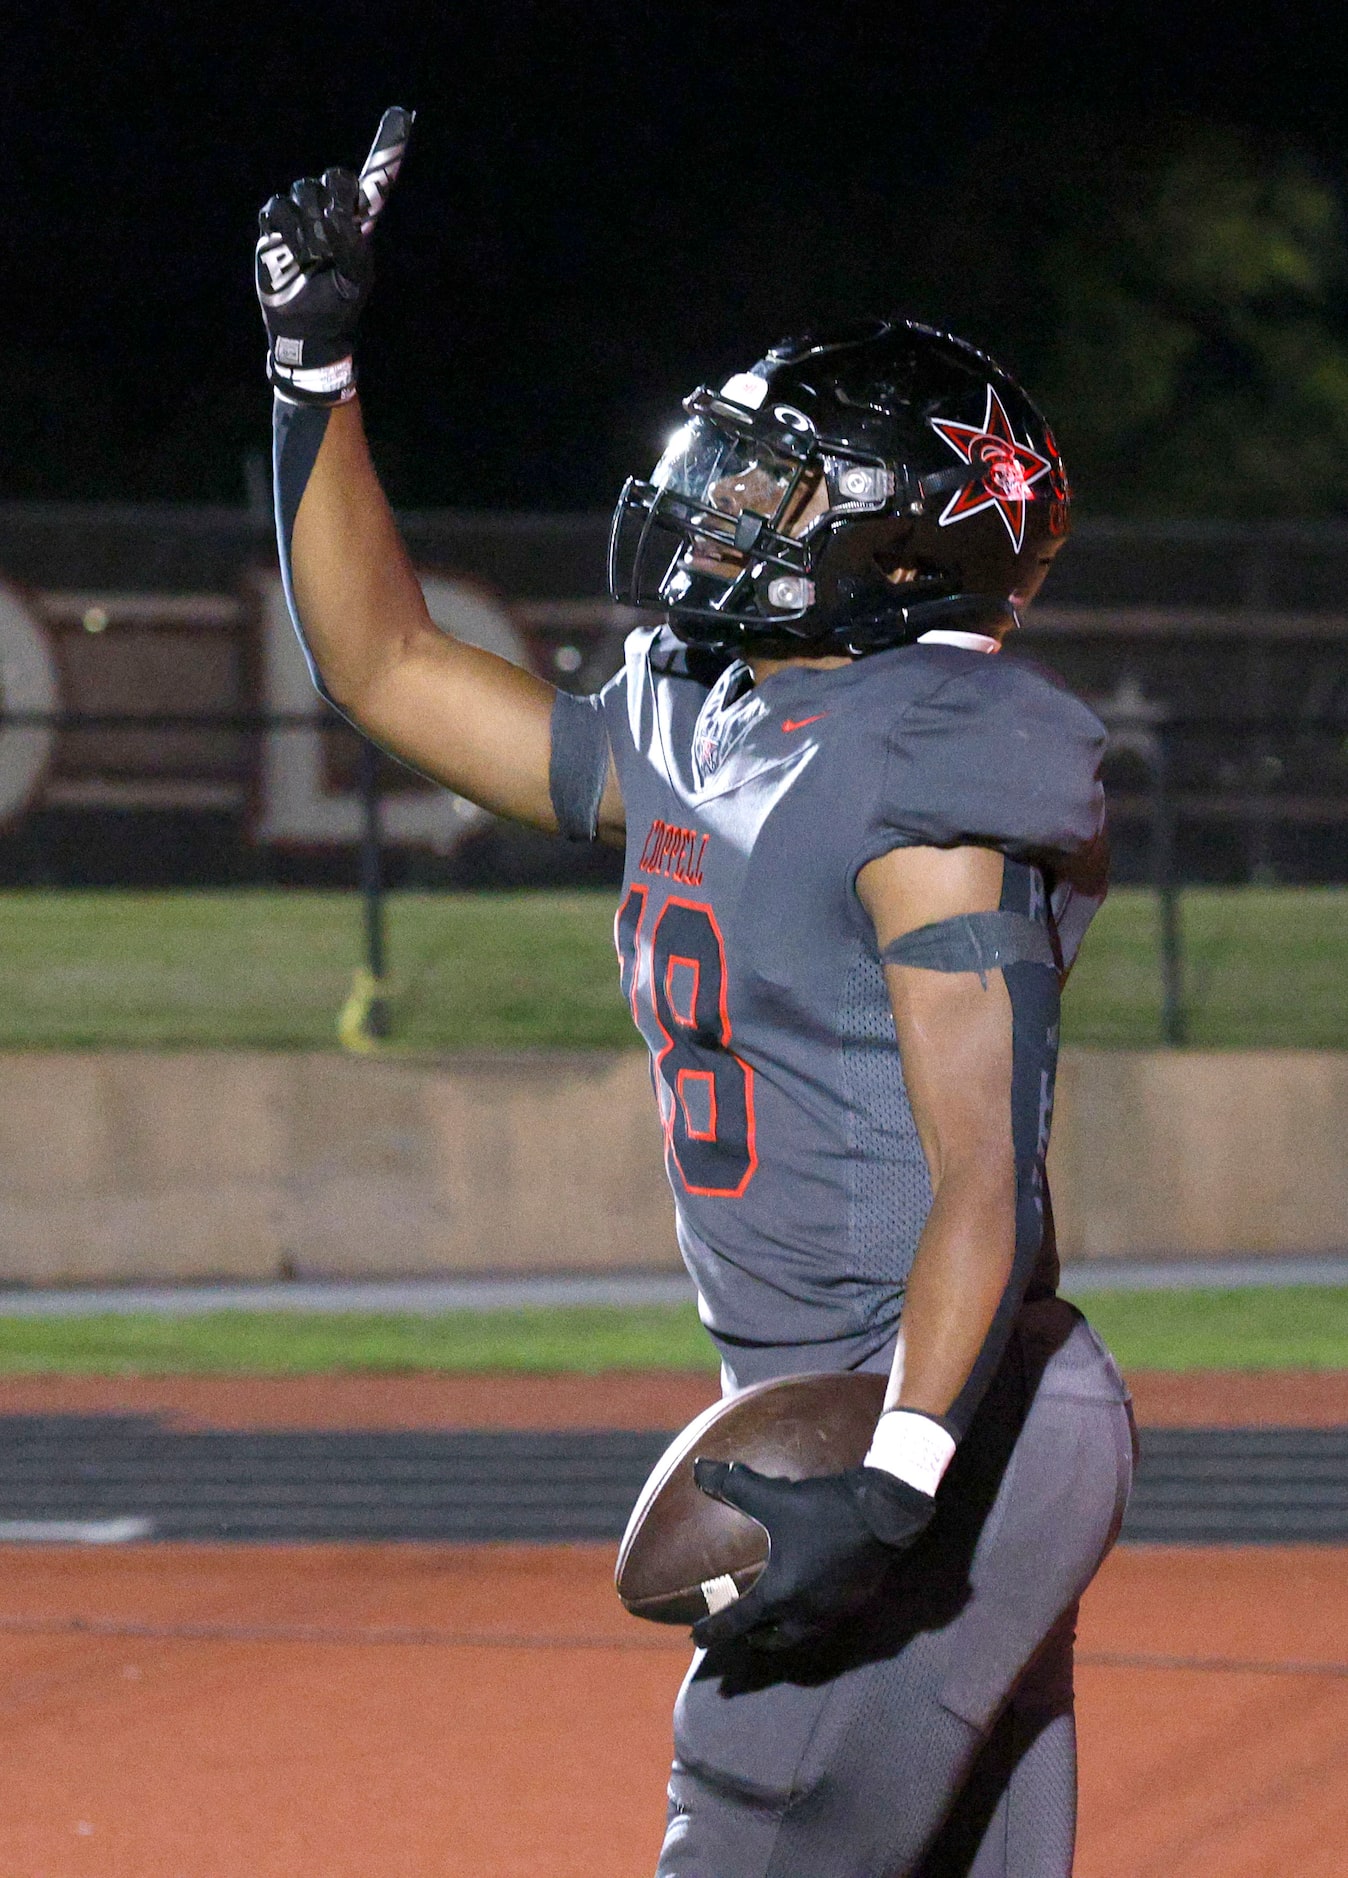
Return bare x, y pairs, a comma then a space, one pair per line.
74, 1531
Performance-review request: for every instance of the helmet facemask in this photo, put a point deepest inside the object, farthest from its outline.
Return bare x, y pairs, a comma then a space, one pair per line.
731, 527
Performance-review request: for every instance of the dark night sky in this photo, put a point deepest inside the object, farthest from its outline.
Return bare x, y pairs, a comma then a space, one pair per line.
604, 204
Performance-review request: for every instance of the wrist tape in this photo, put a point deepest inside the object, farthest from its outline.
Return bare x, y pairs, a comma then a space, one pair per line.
912, 1447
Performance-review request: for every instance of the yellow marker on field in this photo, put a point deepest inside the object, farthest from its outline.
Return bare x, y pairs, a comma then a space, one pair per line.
363, 1021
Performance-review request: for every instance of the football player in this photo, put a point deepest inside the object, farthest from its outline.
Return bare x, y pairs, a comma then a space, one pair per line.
862, 848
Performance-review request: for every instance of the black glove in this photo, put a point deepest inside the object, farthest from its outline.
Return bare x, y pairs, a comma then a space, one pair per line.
831, 1539
314, 269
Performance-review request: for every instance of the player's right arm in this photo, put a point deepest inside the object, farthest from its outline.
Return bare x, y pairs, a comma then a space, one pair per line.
471, 720
463, 716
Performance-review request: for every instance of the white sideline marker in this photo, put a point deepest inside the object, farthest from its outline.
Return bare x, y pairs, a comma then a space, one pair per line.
74, 1531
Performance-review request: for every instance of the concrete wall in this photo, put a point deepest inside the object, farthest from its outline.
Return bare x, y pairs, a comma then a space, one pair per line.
1197, 1152
131, 1165
139, 1164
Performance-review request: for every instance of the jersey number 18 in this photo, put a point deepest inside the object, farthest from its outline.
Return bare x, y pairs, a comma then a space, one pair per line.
706, 1092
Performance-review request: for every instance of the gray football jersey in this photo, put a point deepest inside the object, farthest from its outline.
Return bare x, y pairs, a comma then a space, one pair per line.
752, 968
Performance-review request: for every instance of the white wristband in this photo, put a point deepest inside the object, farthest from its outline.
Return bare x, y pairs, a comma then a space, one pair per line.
912, 1447
324, 377
338, 379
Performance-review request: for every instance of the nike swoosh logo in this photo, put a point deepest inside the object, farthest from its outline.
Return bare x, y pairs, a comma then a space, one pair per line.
799, 723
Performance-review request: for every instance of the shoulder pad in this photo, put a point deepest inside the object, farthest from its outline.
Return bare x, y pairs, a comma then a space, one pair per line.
997, 753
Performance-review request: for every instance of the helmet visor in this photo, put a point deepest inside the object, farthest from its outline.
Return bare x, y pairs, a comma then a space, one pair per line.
731, 475
721, 479
724, 516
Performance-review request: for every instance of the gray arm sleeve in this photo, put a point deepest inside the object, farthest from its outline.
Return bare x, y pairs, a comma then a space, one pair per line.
578, 766
297, 435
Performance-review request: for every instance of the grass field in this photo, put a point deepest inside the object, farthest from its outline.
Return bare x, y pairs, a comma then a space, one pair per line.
270, 970
1285, 1328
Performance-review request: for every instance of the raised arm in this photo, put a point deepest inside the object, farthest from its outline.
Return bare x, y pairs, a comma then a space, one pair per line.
464, 716
471, 720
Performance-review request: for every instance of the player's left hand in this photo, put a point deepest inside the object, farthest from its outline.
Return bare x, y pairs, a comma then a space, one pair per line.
831, 1541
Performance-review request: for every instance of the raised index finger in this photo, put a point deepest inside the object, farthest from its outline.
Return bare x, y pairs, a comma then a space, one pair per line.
381, 167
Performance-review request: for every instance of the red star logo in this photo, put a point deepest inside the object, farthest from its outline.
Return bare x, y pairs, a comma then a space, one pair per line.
1010, 469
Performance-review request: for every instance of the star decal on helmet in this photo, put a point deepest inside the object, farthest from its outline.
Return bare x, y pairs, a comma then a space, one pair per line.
1010, 469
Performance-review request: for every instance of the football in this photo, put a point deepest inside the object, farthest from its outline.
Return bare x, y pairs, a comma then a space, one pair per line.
684, 1554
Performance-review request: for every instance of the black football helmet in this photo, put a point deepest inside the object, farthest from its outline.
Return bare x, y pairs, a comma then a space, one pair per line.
853, 490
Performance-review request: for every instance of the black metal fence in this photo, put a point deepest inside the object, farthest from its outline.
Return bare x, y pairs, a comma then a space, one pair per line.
156, 736
1163, 771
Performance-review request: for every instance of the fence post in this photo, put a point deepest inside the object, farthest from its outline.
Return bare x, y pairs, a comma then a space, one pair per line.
364, 1018
1260, 869
1166, 887
1137, 728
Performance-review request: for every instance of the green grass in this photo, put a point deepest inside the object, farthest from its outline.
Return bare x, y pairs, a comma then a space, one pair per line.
270, 969
1296, 1327
1265, 968
1300, 1328
586, 1339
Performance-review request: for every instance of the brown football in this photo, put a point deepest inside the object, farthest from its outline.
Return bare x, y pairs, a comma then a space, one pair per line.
681, 1549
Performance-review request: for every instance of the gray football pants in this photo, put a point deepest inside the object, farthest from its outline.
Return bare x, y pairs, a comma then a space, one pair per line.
934, 1738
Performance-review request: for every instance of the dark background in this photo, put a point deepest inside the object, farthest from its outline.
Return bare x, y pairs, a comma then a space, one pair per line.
607, 203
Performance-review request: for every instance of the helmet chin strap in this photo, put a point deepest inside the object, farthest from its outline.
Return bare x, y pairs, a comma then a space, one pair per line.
970, 642
980, 615
974, 621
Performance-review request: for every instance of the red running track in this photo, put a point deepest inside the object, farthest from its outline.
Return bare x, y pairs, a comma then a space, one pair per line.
339, 1712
